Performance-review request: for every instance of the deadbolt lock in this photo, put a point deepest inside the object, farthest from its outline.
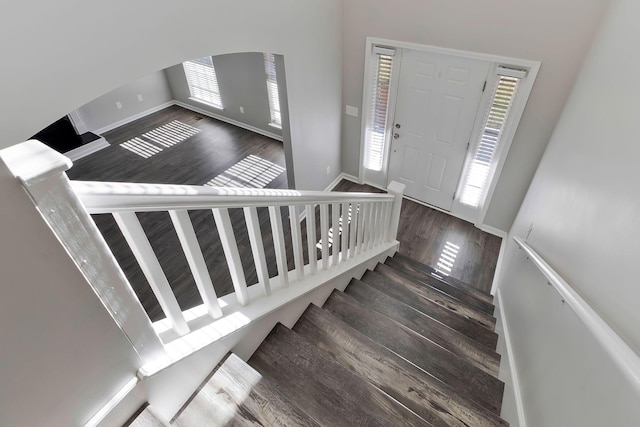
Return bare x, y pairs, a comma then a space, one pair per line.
397, 125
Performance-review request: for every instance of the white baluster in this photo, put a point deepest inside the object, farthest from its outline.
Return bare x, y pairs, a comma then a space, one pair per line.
230, 247
296, 239
257, 247
371, 226
193, 253
335, 234
353, 229
141, 248
395, 189
324, 231
379, 219
362, 217
278, 244
311, 239
344, 236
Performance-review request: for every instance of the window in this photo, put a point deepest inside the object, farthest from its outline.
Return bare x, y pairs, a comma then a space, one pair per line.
272, 89
202, 80
376, 129
478, 172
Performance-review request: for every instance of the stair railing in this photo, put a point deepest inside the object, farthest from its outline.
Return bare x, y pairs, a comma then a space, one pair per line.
370, 224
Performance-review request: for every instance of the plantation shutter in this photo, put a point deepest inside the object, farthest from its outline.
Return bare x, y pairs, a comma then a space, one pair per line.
272, 89
378, 109
202, 80
485, 148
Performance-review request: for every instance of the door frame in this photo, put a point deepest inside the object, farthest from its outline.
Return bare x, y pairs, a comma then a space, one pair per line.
477, 215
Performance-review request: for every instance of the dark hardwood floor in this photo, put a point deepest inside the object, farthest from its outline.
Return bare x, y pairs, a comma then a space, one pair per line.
425, 234
449, 244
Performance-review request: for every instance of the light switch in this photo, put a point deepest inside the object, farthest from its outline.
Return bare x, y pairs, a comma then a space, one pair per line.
352, 111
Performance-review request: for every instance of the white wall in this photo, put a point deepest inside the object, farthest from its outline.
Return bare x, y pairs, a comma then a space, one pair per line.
556, 33
151, 37
584, 206
61, 356
242, 82
103, 112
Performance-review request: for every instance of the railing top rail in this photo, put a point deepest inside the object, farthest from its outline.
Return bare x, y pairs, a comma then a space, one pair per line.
109, 197
618, 349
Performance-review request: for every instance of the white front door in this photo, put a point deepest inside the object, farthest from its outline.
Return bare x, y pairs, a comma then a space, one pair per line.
438, 99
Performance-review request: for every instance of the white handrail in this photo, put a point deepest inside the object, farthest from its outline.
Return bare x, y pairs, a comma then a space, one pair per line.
110, 197
626, 359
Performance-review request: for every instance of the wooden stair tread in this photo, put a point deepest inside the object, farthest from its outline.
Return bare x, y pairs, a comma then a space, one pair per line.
236, 394
145, 417
428, 397
411, 263
323, 388
471, 329
461, 294
464, 377
449, 339
437, 296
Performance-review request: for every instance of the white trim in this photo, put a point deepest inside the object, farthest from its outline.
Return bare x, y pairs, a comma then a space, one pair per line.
132, 118
511, 62
336, 181
228, 120
513, 368
86, 149
492, 230
78, 122
517, 110
498, 270
113, 403
627, 360
524, 91
203, 102
261, 306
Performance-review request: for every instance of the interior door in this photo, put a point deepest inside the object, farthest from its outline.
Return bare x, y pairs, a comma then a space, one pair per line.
438, 99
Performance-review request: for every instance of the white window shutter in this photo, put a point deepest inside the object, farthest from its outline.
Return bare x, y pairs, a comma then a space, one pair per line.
202, 80
478, 172
272, 89
378, 110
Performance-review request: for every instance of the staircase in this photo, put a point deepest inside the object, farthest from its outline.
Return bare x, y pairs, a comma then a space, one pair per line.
401, 346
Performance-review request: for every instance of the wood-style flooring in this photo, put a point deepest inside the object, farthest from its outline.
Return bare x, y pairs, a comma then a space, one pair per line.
426, 235
449, 244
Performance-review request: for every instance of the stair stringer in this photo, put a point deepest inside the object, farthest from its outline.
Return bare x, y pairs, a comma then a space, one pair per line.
169, 384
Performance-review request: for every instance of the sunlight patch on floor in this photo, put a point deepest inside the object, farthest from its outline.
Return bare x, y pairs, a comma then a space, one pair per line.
250, 172
447, 258
151, 143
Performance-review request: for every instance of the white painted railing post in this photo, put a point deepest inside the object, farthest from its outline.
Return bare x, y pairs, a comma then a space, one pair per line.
396, 189
42, 172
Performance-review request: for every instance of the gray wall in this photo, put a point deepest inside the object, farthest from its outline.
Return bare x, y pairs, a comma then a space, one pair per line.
584, 207
242, 83
102, 111
60, 365
556, 33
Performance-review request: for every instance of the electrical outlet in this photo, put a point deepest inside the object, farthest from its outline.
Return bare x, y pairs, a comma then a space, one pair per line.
241, 110
328, 170
351, 111
140, 98
119, 105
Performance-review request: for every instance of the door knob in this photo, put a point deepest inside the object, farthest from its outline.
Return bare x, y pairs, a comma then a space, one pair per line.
396, 136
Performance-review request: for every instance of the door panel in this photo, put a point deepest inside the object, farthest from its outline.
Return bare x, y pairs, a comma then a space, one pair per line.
438, 99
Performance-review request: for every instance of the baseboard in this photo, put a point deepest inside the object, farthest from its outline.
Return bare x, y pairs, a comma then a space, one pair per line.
133, 118
492, 230
86, 149
228, 120
499, 263
515, 382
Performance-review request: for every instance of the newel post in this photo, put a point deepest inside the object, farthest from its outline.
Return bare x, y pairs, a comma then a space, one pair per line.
42, 173
396, 189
